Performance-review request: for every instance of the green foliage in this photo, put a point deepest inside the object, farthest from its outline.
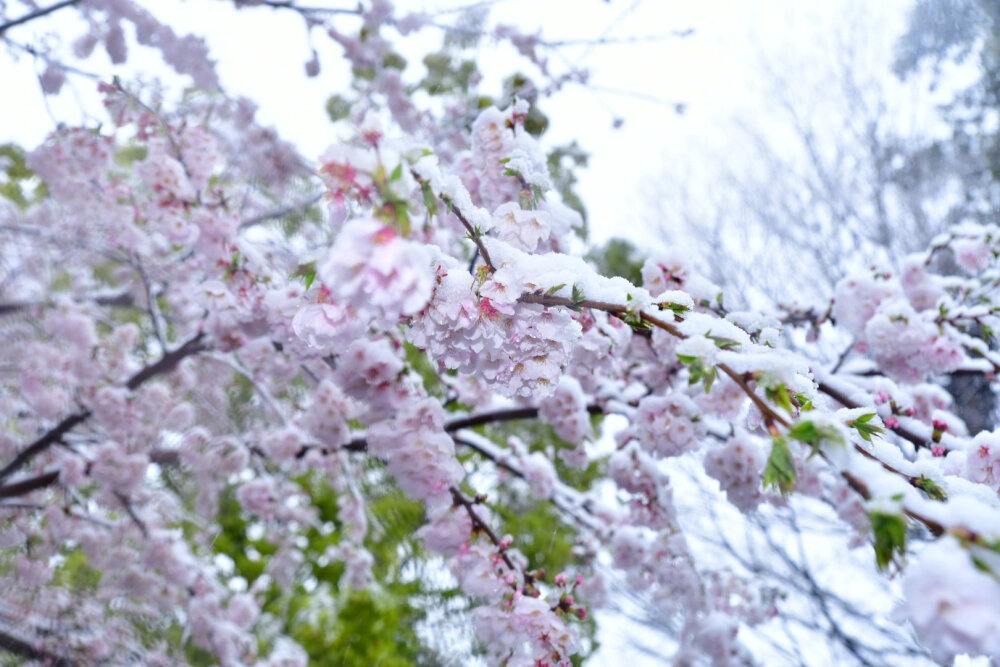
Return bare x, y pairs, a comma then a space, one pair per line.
618, 257
307, 272
698, 371
76, 574
932, 488
519, 86
337, 107
363, 628
446, 75
563, 162
335, 625
17, 182
890, 537
540, 436
864, 428
422, 365
779, 395
541, 534
814, 434
780, 471
129, 155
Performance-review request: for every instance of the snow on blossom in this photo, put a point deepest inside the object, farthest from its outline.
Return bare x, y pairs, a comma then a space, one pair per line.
982, 462
671, 271
971, 253
522, 349
907, 345
953, 605
522, 229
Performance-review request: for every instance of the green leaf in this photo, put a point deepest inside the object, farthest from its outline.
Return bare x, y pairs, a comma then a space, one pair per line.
890, 537
932, 488
677, 308
430, 201
555, 288
337, 108
779, 395
780, 471
803, 401
866, 430
425, 368
722, 343
397, 173
306, 271
805, 431
813, 435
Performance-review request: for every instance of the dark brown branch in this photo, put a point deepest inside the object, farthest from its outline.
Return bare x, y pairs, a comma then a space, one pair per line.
478, 525
167, 362
127, 504
507, 414
25, 486
37, 14
49, 438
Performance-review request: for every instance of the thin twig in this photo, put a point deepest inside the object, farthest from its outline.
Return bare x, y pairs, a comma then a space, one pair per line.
37, 14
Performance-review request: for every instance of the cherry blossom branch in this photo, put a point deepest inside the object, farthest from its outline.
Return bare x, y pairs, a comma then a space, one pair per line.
567, 506
127, 504
769, 413
165, 364
49, 438
26, 486
474, 234
480, 526
360, 444
37, 14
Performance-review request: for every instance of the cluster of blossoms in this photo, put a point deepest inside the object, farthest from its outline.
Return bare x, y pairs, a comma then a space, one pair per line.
177, 379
